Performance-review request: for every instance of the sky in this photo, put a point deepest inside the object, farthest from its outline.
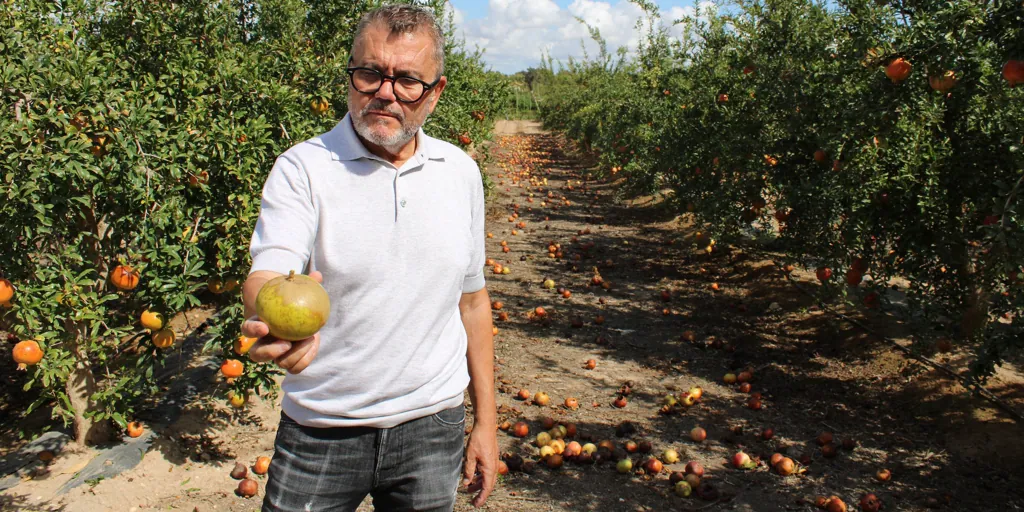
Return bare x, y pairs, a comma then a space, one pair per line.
515, 33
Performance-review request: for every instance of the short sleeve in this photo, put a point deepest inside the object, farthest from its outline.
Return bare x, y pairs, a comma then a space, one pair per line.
284, 234
475, 274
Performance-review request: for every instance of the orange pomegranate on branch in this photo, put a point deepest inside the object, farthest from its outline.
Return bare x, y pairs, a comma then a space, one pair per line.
898, 70
151, 320
242, 345
319, 106
6, 292
27, 353
164, 338
1013, 72
232, 368
944, 82
124, 277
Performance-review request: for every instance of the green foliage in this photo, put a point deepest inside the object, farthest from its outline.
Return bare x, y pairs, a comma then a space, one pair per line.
923, 185
140, 133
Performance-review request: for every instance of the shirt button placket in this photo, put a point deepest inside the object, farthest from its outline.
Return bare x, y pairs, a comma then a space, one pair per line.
398, 191
399, 200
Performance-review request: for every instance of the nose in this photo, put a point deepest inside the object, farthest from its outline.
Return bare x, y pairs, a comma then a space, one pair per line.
387, 94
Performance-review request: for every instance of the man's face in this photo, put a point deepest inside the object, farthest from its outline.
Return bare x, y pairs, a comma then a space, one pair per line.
380, 118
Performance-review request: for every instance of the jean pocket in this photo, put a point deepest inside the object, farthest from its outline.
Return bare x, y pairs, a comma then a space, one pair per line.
454, 418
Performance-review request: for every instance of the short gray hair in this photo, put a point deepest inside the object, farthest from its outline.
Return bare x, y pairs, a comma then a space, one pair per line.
406, 19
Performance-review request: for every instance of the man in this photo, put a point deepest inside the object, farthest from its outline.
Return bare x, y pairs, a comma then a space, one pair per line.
391, 222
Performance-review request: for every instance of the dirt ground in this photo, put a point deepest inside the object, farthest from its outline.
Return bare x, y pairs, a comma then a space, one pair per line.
945, 448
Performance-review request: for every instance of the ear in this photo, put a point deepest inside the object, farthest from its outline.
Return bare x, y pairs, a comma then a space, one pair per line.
435, 93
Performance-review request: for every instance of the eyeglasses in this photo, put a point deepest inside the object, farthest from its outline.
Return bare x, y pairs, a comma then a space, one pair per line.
407, 89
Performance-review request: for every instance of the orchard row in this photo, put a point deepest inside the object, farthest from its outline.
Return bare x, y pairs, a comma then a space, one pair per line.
860, 140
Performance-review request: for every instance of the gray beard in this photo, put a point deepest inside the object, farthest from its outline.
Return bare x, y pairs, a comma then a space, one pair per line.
392, 143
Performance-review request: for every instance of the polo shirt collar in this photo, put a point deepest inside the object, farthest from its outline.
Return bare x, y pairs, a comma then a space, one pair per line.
347, 146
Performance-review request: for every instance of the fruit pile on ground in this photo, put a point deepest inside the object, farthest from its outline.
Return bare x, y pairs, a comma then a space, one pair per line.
632, 358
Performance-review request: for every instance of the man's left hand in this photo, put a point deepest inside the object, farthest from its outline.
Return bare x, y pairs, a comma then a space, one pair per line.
481, 457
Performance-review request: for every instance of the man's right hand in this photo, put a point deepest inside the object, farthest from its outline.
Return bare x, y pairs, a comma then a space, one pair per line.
291, 356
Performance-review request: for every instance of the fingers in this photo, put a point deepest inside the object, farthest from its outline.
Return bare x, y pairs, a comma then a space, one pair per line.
291, 356
479, 474
317, 275
490, 478
298, 350
306, 359
254, 328
469, 471
269, 349
477, 484
300, 355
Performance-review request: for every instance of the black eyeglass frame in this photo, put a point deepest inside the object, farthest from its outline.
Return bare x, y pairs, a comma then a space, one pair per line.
427, 86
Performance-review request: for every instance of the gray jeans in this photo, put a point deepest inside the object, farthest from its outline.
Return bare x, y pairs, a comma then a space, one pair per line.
413, 466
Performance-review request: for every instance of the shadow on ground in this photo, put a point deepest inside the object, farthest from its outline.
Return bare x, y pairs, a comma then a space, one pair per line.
815, 372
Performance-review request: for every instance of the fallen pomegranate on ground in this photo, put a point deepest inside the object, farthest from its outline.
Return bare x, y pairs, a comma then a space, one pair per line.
698, 434
692, 479
247, 488
829, 451
870, 503
835, 504
786, 466
824, 438
682, 488
696, 392
261, 466
670, 456
741, 460
521, 429
541, 398
653, 466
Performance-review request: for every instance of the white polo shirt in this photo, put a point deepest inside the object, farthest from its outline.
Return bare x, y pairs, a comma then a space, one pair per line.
397, 249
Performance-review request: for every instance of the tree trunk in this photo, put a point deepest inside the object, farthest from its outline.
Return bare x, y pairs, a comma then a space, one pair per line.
977, 299
975, 313
81, 382
80, 386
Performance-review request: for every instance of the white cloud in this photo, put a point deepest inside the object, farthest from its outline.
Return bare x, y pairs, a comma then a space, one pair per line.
458, 17
516, 33
700, 13
524, 13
